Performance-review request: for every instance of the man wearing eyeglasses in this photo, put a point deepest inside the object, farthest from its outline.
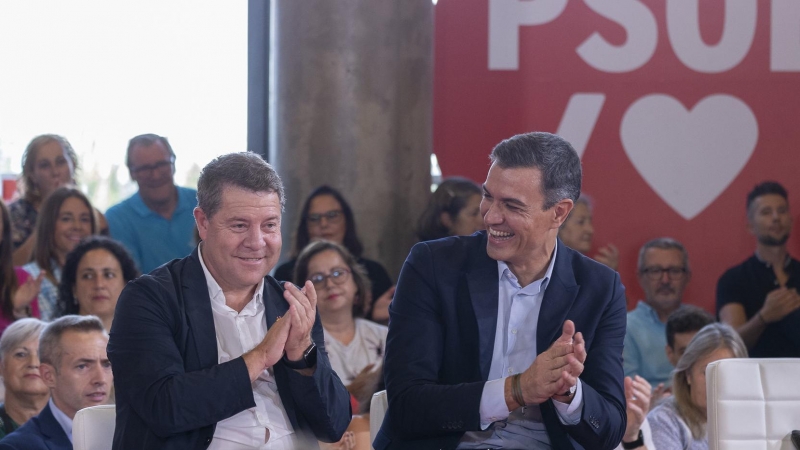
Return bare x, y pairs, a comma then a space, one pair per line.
663, 274
155, 224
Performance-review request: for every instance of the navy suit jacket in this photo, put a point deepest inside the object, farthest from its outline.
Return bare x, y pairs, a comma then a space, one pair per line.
42, 432
441, 339
170, 389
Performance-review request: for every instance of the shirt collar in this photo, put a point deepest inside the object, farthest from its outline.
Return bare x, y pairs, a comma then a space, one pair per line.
648, 310
62, 419
538, 285
786, 261
215, 291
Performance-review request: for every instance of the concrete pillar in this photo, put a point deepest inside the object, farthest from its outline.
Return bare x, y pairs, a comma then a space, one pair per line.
351, 106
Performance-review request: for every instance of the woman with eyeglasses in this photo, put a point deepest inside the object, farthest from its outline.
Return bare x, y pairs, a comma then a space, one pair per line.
326, 215
66, 219
343, 291
49, 162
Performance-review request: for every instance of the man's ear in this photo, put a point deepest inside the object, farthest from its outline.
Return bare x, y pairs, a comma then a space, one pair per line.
48, 374
201, 220
561, 211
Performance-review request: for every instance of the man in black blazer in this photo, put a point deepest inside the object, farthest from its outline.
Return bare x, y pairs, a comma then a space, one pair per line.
508, 338
75, 368
188, 373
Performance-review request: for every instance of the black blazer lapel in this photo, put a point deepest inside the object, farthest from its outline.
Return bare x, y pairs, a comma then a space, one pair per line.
54, 436
481, 280
194, 295
558, 299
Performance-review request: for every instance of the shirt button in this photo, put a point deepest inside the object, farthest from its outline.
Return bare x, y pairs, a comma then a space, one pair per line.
514, 331
510, 370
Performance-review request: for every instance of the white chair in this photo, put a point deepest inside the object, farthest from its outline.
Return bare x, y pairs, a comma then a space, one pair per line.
93, 428
377, 410
753, 404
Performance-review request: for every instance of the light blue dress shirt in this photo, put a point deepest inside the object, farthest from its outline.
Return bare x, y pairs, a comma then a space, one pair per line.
645, 346
62, 419
514, 351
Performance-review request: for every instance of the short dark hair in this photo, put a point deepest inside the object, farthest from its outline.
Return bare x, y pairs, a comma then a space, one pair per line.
765, 188
245, 170
451, 196
552, 155
50, 341
44, 248
67, 303
357, 271
146, 140
350, 241
686, 319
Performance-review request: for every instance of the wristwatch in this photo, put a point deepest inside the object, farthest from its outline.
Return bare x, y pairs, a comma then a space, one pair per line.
635, 444
309, 359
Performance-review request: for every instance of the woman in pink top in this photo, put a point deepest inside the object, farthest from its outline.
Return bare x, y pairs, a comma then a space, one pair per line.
18, 290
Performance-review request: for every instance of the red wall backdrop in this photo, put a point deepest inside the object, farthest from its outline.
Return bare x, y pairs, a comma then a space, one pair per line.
680, 137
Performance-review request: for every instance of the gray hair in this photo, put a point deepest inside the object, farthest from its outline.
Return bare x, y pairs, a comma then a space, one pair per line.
706, 341
552, 155
50, 341
663, 243
19, 332
245, 170
146, 140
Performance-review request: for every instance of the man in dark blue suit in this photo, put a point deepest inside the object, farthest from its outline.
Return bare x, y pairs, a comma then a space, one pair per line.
507, 338
209, 351
75, 368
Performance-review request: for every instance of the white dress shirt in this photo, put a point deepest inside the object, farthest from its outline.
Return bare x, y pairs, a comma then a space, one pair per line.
514, 351
238, 333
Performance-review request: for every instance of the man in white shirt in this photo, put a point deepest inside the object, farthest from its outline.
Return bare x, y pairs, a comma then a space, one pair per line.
75, 367
508, 338
211, 352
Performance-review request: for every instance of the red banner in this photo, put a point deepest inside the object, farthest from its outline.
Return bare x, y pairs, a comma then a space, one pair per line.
678, 108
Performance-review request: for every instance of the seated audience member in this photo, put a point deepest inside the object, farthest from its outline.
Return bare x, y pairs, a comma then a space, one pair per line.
75, 368
577, 233
663, 274
18, 290
759, 296
48, 163
326, 215
211, 352
65, 220
682, 325
26, 394
453, 210
680, 421
355, 345
155, 224
93, 277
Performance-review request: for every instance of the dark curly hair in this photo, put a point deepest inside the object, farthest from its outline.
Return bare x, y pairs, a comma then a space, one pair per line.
67, 304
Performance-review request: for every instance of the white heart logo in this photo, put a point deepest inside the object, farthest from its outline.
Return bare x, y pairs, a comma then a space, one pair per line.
689, 157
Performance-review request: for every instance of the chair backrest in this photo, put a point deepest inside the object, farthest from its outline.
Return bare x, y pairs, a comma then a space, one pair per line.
753, 403
93, 428
377, 410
